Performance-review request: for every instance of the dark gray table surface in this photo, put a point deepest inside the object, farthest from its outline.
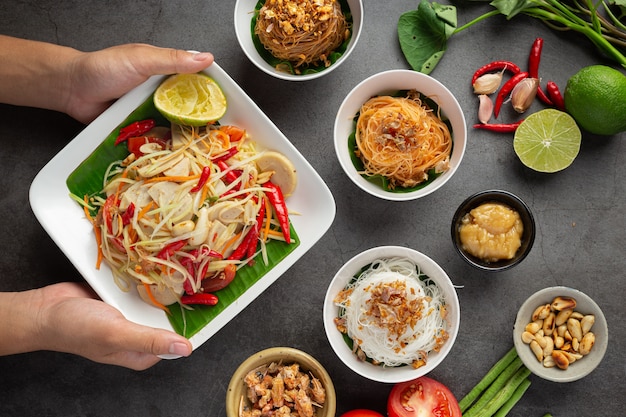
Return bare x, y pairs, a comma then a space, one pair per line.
580, 215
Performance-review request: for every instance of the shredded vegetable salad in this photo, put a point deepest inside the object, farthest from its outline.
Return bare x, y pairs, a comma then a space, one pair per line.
185, 210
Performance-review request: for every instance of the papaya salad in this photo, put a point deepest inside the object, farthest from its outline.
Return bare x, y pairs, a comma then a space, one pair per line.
187, 208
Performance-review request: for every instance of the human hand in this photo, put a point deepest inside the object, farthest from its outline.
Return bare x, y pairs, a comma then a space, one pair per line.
71, 319
100, 77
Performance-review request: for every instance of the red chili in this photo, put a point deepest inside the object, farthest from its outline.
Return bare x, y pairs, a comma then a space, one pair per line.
256, 230
241, 250
231, 176
499, 127
506, 90
495, 66
204, 177
200, 298
171, 248
137, 128
128, 214
533, 68
232, 151
275, 195
555, 95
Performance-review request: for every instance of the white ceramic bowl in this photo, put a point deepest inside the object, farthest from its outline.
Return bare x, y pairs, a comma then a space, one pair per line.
244, 12
336, 339
578, 369
390, 82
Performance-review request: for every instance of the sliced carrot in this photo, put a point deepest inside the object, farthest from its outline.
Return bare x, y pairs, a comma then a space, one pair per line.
268, 219
100, 255
145, 210
230, 242
154, 301
86, 208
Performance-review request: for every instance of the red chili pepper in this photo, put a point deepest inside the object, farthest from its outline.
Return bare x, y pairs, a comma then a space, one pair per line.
128, 214
137, 128
555, 95
242, 250
534, 58
499, 127
231, 176
275, 195
232, 151
496, 66
506, 90
199, 298
107, 211
204, 177
171, 248
256, 230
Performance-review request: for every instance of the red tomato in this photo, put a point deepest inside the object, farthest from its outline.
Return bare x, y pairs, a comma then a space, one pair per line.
422, 397
361, 413
135, 143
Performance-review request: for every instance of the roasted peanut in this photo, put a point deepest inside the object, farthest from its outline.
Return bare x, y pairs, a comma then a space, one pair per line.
562, 303
537, 350
560, 359
541, 312
548, 324
587, 323
559, 342
533, 327
562, 316
587, 343
527, 337
573, 327
549, 346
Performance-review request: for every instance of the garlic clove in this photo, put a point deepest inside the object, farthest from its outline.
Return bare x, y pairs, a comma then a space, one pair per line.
485, 108
524, 94
487, 83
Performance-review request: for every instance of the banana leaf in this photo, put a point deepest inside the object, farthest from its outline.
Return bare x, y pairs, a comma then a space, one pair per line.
87, 179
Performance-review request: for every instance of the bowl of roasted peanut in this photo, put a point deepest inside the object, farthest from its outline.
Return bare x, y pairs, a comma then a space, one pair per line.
281, 378
560, 334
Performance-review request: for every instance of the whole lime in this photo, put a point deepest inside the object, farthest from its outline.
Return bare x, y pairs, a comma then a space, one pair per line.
596, 98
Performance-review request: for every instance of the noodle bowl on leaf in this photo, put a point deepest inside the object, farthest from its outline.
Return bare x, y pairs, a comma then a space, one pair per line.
298, 40
391, 314
400, 135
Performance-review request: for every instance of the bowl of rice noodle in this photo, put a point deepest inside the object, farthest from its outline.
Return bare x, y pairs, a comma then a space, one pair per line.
298, 41
400, 135
391, 314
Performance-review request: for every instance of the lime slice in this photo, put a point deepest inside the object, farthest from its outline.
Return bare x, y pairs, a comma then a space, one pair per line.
190, 99
547, 141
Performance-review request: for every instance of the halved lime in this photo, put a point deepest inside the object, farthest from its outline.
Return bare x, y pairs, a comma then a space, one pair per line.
190, 99
547, 141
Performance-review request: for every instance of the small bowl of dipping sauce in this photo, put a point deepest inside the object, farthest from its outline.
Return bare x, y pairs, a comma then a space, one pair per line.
493, 230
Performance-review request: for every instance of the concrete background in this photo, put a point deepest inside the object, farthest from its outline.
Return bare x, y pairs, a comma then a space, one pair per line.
580, 215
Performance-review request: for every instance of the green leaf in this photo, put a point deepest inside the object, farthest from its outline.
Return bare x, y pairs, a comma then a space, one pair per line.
510, 8
423, 34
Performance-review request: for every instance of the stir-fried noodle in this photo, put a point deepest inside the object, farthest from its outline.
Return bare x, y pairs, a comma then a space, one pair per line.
401, 139
302, 32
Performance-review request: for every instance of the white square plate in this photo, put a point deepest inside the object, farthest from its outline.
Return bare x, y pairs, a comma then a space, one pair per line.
65, 221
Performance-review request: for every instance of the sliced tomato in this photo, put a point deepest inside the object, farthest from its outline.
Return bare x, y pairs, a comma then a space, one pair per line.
361, 412
422, 397
135, 143
221, 281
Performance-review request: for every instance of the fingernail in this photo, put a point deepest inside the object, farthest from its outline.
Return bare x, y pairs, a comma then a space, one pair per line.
202, 56
178, 348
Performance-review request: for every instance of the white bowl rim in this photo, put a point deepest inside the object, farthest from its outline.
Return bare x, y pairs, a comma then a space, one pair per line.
242, 32
395, 80
589, 362
335, 338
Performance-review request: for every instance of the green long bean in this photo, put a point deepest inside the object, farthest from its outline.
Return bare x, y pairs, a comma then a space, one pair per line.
505, 393
486, 381
517, 395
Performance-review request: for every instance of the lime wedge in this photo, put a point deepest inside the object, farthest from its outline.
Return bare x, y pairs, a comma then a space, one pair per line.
190, 99
547, 141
